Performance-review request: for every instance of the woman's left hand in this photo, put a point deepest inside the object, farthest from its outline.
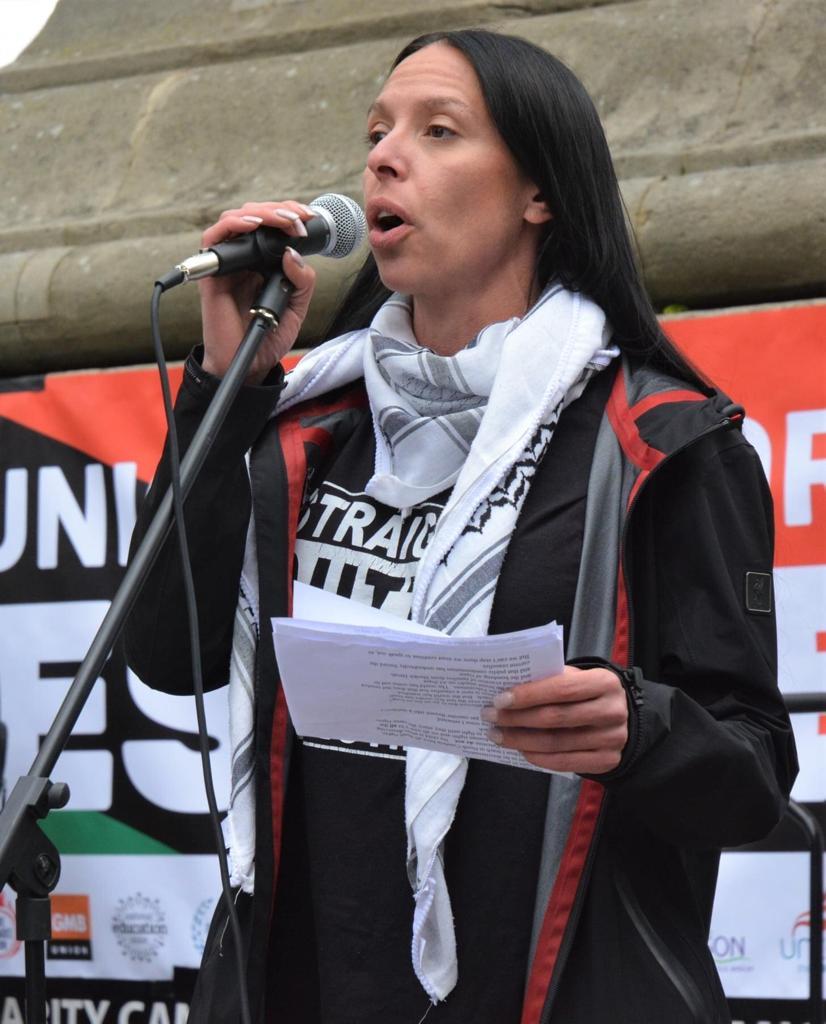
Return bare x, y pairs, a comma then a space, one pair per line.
573, 722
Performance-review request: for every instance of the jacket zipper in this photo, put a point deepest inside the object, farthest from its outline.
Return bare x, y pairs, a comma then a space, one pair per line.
573, 919
679, 978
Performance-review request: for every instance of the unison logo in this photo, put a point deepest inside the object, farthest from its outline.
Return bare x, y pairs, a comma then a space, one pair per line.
728, 950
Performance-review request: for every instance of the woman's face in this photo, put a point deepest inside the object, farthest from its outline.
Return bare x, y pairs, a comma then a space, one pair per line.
449, 212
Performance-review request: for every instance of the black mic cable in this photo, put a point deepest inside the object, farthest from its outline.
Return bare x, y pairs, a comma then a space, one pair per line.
195, 653
337, 230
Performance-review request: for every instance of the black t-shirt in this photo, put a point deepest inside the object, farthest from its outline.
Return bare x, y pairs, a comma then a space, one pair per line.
342, 928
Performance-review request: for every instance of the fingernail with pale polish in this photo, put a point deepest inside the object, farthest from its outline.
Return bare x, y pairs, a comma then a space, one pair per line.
308, 209
503, 700
495, 735
297, 221
488, 714
296, 256
252, 220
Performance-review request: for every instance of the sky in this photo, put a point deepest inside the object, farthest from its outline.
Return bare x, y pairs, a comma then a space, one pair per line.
20, 21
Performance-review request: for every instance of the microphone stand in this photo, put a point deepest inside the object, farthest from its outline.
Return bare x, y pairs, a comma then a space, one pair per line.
29, 861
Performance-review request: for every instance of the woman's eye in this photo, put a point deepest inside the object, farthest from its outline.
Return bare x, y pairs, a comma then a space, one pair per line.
440, 131
374, 136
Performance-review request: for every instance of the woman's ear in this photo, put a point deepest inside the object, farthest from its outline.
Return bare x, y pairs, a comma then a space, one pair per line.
537, 211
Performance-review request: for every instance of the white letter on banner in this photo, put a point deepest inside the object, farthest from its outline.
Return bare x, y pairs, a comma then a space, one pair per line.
96, 1014
126, 1011
757, 436
11, 1012
44, 634
124, 478
166, 772
71, 1006
56, 505
802, 471
14, 516
159, 1014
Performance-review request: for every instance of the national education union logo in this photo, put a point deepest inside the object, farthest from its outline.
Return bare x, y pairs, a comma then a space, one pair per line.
139, 925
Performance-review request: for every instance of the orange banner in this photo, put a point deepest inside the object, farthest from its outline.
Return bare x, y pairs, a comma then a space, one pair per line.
773, 361
112, 415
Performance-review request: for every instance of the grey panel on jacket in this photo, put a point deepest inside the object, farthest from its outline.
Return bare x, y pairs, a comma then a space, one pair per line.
591, 633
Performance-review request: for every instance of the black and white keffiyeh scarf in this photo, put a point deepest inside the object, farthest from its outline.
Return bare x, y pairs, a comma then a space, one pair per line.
478, 422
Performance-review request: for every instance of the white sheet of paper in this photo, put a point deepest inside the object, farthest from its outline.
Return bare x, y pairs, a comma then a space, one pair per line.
381, 679
315, 605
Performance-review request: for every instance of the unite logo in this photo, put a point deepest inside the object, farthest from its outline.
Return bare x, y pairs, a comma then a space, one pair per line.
71, 928
796, 946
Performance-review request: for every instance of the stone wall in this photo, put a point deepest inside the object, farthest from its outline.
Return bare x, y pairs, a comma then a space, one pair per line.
128, 126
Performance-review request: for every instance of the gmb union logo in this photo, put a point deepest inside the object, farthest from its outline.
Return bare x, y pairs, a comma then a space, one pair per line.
9, 943
200, 923
139, 925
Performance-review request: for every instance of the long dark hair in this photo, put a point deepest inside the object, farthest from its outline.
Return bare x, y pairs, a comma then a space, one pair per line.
549, 123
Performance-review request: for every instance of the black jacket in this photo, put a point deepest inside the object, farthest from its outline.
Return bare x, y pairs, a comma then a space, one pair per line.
679, 515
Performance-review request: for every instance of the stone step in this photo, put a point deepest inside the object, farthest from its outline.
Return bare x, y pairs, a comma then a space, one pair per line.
714, 111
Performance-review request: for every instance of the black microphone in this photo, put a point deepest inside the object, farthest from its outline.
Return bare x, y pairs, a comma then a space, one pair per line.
337, 229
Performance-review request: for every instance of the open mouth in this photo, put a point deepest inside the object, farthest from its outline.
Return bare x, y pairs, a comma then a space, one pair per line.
387, 221
388, 224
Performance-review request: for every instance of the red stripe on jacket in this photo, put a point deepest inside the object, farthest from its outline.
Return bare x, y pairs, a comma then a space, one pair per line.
295, 462
563, 897
293, 436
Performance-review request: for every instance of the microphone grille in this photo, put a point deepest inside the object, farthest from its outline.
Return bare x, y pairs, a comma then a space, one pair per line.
348, 227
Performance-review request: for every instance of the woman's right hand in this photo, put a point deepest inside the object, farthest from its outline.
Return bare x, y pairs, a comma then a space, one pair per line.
226, 301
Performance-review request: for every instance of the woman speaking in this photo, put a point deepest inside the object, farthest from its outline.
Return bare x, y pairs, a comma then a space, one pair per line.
497, 434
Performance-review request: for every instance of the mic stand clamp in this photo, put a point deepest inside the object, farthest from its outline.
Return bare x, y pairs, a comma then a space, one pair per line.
273, 300
32, 866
